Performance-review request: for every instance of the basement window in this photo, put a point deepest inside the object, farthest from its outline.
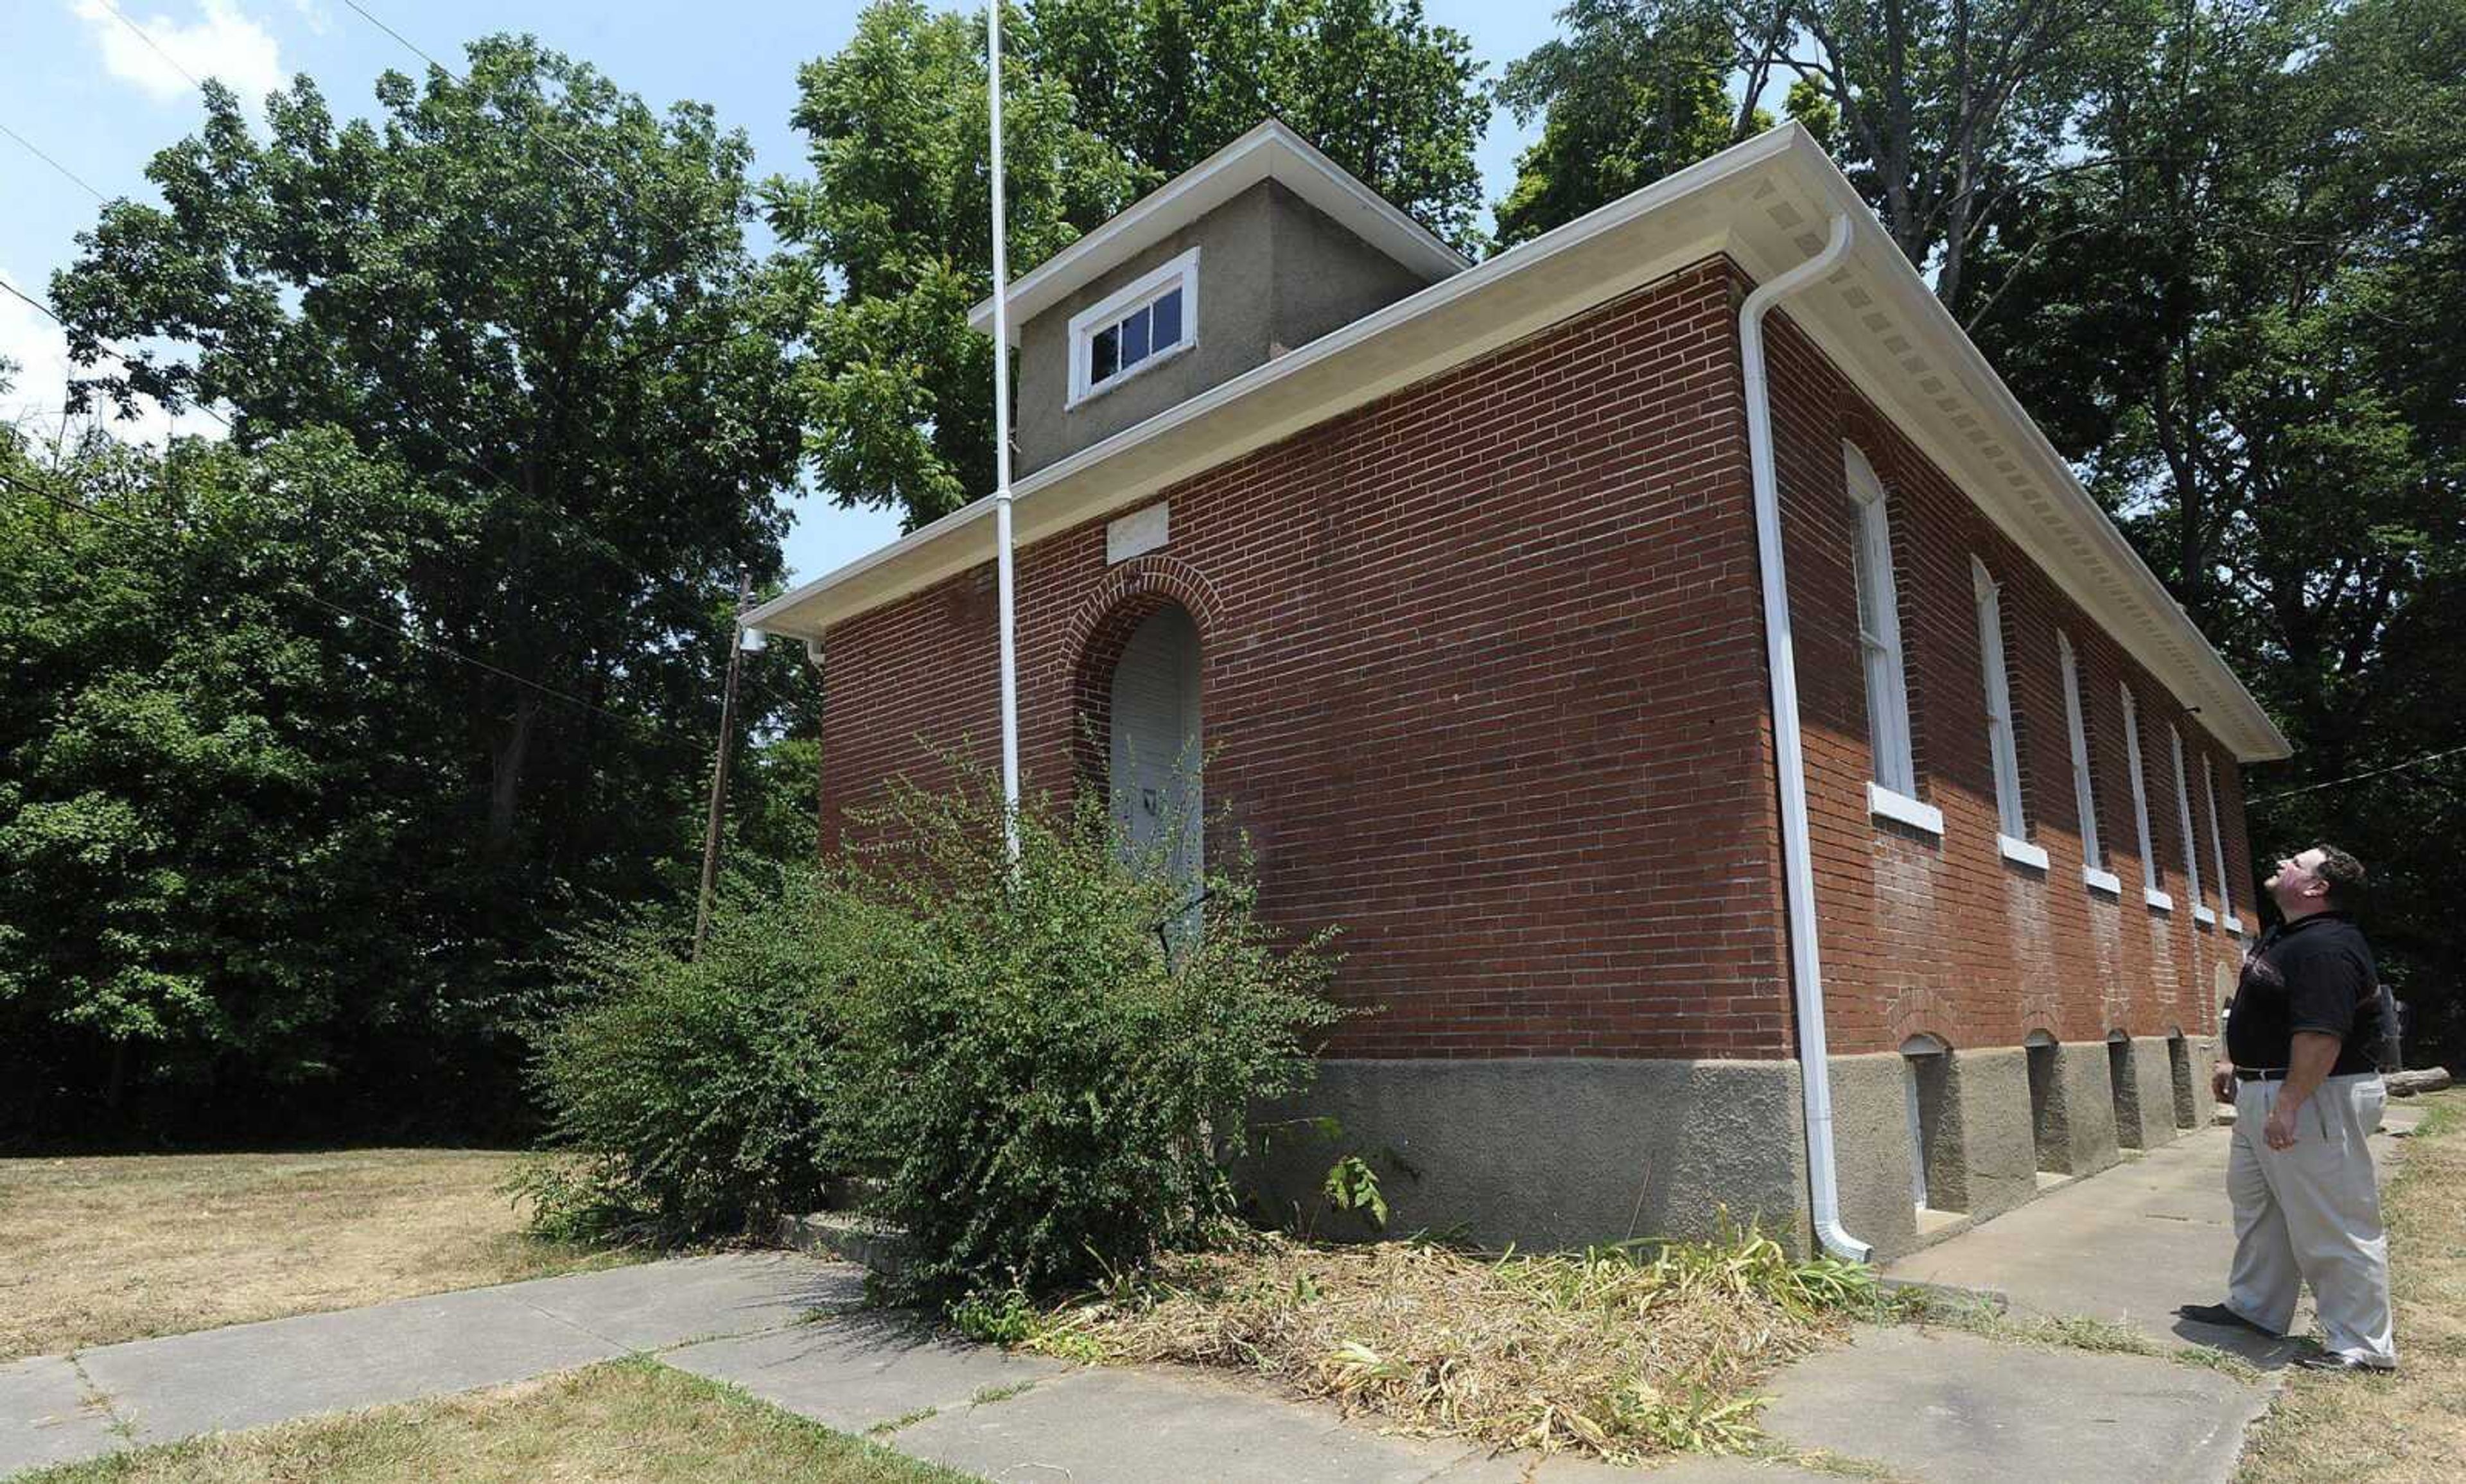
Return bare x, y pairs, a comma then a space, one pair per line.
1926, 1086
1146, 322
2053, 1159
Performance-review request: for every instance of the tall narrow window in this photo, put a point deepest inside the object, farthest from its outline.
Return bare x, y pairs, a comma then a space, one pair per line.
2149, 878
2184, 818
2218, 845
2084, 792
1879, 631
2011, 817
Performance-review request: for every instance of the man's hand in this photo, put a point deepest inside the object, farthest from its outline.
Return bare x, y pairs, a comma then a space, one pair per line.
2222, 1081
2279, 1133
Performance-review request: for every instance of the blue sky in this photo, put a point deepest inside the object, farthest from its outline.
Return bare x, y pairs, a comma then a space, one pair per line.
79, 83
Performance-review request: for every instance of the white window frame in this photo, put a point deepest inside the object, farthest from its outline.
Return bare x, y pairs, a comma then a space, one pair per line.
2184, 816
2002, 742
2094, 870
2149, 875
1181, 273
2218, 846
1879, 650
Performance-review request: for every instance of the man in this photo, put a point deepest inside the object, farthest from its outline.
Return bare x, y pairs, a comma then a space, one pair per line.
2300, 1068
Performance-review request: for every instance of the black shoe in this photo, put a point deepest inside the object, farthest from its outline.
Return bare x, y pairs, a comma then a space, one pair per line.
2331, 1360
2223, 1317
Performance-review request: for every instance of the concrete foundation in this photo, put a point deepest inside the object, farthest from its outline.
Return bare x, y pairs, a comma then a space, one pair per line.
1553, 1153
1999, 1150
2141, 1075
2073, 1108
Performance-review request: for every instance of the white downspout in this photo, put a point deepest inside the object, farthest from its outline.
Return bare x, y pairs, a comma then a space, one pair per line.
1789, 757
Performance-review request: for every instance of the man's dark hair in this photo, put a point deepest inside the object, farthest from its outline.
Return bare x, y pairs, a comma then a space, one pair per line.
2345, 877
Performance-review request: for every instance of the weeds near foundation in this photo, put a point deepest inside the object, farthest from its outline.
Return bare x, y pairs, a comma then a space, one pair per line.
1621, 1353
2073, 1332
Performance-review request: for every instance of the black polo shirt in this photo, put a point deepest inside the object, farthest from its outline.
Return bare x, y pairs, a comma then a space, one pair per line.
2316, 974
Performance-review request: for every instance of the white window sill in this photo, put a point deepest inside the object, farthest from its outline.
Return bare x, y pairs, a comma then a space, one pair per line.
2234, 925
1885, 804
2159, 901
2102, 881
2022, 852
1158, 358
2203, 915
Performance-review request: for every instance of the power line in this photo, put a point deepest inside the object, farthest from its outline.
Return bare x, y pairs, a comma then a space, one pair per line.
2358, 777
74, 178
102, 344
169, 59
343, 610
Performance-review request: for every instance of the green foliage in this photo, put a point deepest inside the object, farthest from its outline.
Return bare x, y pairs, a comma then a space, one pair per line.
1353, 1185
201, 827
1622, 106
688, 1097
890, 243
1038, 1088
501, 374
2240, 327
1939, 113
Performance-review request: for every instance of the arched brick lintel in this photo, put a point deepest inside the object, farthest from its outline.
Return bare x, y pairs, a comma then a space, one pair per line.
1100, 629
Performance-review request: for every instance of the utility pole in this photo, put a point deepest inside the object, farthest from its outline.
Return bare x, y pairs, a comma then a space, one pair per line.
719, 769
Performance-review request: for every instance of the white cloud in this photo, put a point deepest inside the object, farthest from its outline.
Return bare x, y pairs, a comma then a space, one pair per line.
222, 41
40, 385
319, 19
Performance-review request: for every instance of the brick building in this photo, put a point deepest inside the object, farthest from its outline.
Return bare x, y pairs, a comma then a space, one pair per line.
1630, 816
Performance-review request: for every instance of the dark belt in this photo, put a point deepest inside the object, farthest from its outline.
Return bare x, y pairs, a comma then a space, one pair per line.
2260, 1074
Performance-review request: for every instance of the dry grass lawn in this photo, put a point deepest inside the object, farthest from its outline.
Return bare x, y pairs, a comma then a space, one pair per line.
105, 1249
627, 1421
2396, 1429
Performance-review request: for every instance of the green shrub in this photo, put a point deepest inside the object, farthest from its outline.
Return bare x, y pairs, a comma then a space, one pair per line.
1045, 1068
686, 1098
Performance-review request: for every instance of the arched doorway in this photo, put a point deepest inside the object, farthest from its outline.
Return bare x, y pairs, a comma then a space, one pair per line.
1153, 766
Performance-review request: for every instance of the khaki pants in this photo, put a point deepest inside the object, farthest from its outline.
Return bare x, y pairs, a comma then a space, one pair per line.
2312, 1214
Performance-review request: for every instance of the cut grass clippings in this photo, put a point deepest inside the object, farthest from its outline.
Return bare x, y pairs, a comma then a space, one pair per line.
126, 1248
626, 1422
1620, 1354
2410, 1426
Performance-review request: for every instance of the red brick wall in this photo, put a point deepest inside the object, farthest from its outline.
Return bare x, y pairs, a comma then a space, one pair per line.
1482, 679
1946, 936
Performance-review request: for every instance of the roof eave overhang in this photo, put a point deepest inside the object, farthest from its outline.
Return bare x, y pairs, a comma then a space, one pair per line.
1765, 203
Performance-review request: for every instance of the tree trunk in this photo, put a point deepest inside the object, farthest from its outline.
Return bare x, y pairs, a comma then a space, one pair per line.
505, 773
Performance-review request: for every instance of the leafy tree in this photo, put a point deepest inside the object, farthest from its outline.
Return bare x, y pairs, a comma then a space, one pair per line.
1387, 95
890, 239
1621, 108
892, 243
202, 820
1942, 113
2234, 327
530, 295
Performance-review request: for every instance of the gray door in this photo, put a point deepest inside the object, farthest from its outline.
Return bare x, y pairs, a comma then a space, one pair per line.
1156, 752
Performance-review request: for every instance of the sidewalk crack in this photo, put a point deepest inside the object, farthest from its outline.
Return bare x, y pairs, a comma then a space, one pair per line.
120, 1425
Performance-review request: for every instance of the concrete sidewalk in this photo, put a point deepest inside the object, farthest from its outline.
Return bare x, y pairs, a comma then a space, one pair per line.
55, 1408
2127, 1246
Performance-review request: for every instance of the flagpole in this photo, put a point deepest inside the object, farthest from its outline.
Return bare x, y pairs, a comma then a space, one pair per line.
1002, 456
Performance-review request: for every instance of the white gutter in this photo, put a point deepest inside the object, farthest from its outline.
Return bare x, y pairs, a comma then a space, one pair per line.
1790, 754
